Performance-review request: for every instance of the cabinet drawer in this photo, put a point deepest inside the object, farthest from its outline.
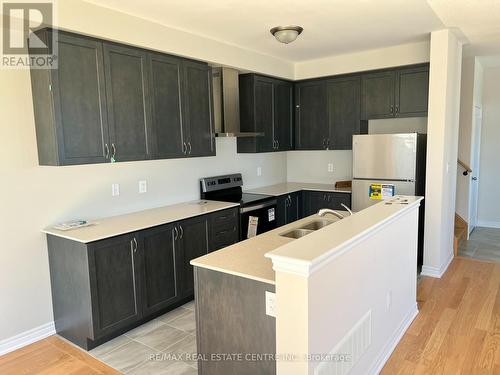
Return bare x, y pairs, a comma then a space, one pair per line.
224, 228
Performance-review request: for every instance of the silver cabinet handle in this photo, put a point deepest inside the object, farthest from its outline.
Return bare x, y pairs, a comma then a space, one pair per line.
182, 231
132, 251
391, 109
189, 144
113, 150
184, 148
135, 245
277, 145
176, 234
106, 148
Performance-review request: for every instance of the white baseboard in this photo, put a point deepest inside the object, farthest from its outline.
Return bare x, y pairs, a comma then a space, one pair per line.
391, 345
488, 224
435, 271
27, 337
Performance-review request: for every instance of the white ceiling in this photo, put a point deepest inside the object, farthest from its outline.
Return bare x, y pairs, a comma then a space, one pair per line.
478, 21
331, 27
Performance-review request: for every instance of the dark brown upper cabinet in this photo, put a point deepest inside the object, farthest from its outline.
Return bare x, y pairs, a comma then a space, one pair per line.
110, 102
400, 92
166, 83
412, 92
311, 115
265, 107
70, 104
198, 115
126, 74
344, 106
327, 113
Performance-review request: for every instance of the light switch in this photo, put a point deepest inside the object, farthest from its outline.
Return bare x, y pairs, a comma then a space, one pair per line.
115, 190
143, 186
271, 304
259, 171
330, 167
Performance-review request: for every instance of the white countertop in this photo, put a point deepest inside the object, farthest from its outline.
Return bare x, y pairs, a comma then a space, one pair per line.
247, 258
291, 187
253, 258
121, 224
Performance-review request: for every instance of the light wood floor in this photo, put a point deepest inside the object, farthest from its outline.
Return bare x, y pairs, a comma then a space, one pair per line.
52, 356
456, 332
458, 328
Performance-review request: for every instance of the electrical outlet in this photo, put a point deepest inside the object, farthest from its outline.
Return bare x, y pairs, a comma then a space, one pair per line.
330, 167
388, 299
271, 304
259, 171
115, 190
143, 186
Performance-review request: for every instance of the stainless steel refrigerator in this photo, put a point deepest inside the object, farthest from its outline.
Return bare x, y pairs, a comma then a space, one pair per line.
396, 161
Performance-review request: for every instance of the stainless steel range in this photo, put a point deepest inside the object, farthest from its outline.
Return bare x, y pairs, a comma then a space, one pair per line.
257, 212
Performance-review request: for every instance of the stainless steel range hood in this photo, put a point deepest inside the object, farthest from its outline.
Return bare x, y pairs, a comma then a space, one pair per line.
226, 102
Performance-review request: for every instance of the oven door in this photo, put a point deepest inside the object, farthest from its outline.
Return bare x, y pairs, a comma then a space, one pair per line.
261, 214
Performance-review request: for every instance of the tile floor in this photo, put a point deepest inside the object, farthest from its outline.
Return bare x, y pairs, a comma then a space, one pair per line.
483, 243
161, 346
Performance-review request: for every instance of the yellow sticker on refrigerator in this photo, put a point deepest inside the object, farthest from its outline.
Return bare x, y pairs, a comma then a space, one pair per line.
381, 191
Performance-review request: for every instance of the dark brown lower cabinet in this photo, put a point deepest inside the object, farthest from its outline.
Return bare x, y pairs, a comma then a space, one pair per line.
160, 268
193, 243
104, 288
288, 208
316, 200
114, 283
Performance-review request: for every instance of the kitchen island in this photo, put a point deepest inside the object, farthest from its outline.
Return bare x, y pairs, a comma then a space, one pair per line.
339, 298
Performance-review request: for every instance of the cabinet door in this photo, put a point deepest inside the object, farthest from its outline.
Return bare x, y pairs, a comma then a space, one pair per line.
128, 102
378, 95
114, 283
264, 112
193, 239
314, 201
197, 109
160, 263
334, 201
281, 208
311, 126
80, 101
412, 92
166, 81
283, 116
292, 209
344, 105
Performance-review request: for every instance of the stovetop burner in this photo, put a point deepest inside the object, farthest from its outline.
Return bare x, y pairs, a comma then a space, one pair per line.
228, 189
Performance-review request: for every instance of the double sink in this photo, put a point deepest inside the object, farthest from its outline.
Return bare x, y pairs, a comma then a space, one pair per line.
307, 228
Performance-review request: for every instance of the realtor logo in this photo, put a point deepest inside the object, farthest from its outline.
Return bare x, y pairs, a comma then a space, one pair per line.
22, 48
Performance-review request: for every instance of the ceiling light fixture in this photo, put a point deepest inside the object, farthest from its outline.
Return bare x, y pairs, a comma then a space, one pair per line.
286, 34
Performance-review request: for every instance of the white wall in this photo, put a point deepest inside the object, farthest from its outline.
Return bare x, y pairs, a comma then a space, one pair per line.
442, 149
405, 54
312, 166
470, 96
398, 125
489, 172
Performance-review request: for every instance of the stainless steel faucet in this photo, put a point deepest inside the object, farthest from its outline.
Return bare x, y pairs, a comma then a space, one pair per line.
325, 211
